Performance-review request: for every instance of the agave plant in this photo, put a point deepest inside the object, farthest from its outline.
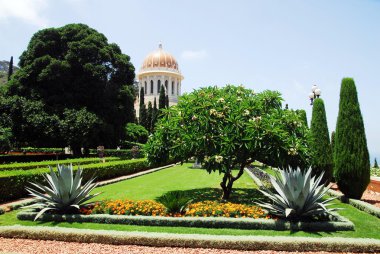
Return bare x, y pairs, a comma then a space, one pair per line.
64, 193
297, 195
174, 201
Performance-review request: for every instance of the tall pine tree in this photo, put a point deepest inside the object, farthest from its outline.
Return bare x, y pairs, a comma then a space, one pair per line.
322, 160
149, 117
351, 157
161, 99
154, 114
167, 101
10, 69
375, 164
143, 113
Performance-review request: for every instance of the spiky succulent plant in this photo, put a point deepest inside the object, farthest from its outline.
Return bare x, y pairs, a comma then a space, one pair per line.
297, 195
64, 192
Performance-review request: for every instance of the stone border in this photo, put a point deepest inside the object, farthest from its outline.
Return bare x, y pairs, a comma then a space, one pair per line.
28, 201
342, 224
274, 243
361, 205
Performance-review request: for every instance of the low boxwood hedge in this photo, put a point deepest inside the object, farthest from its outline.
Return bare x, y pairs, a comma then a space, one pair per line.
45, 164
361, 205
122, 153
204, 222
13, 182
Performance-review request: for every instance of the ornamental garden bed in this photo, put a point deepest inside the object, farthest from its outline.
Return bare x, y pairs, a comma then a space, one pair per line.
201, 211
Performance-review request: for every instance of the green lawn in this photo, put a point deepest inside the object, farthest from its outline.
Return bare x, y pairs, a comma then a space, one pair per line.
204, 186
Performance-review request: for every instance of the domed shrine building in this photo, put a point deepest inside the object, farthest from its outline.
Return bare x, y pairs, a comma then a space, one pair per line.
159, 69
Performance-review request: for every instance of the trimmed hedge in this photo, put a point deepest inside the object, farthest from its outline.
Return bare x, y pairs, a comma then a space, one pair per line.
274, 243
361, 205
13, 182
342, 224
122, 153
42, 150
33, 158
33, 165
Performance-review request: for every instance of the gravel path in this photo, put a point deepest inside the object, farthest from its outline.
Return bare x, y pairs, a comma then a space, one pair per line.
24, 246
369, 196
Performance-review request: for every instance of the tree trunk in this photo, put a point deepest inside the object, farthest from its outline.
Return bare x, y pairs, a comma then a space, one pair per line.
228, 181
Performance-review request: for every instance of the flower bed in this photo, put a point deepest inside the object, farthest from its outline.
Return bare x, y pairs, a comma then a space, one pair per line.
153, 208
207, 214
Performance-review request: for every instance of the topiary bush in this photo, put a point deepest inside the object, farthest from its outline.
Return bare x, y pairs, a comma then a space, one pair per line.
351, 158
320, 148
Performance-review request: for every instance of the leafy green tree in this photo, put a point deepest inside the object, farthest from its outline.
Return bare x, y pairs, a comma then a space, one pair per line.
351, 157
5, 139
161, 99
375, 164
149, 116
77, 127
136, 133
10, 69
229, 128
320, 148
154, 115
71, 68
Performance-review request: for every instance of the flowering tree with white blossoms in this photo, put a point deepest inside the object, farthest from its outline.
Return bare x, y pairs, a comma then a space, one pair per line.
228, 128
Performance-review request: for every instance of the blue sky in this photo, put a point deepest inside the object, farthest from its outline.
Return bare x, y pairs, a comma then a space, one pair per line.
279, 45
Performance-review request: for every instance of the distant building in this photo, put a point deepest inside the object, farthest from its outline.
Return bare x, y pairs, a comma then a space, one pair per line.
159, 69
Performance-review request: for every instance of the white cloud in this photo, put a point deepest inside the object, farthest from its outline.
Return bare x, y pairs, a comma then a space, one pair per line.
194, 54
27, 10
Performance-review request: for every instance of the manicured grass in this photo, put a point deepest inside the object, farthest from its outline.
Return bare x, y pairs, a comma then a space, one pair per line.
205, 186
196, 182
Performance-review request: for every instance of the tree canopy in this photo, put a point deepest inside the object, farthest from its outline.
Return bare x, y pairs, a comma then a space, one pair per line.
73, 71
228, 128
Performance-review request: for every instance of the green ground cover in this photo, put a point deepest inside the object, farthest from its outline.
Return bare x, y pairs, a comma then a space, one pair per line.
204, 186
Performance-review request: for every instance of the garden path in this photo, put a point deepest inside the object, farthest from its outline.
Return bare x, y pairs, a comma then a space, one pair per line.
26, 246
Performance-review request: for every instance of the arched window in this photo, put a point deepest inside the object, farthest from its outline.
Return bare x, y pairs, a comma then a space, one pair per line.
158, 86
145, 88
151, 87
166, 87
172, 87
178, 89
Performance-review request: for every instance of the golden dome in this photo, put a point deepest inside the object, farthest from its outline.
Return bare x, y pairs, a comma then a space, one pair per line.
160, 59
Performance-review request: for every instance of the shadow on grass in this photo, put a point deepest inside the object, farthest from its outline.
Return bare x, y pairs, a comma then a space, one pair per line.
238, 195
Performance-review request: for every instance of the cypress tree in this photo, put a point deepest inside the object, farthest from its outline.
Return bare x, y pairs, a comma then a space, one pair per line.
10, 69
161, 99
332, 141
302, 114
376, 165
322, 157
351, 157
143, 118
142, 98
154, 114
167, 101
149, 117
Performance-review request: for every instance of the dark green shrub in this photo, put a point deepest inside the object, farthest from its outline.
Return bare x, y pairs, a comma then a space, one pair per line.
136, 133
174, 201
13, 182
320, 147
351, 158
